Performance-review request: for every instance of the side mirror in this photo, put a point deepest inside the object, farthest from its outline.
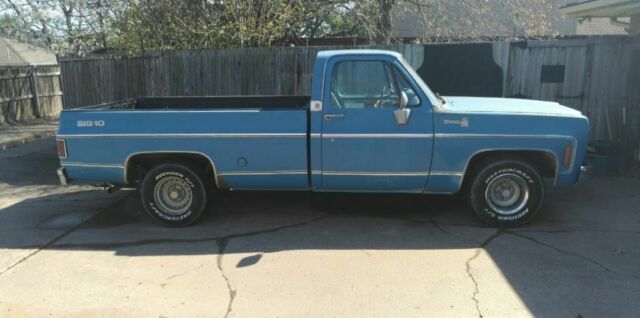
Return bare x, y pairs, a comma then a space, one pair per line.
404, 100
402, 114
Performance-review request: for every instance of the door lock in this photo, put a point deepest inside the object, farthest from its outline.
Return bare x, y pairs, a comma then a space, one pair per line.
332, 116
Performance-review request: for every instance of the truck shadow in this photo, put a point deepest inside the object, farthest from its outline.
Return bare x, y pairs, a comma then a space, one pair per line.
255, 224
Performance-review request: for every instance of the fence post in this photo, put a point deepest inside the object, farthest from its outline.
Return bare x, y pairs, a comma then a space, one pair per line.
60, 82
34, 91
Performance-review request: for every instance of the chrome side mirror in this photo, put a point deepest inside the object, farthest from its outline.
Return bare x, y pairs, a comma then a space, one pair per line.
402, 114
404, 100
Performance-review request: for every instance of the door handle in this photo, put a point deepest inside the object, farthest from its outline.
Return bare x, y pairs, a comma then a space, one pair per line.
332, 116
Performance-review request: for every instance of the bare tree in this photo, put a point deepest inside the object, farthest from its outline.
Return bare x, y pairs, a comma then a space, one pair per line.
444, 20
72, 26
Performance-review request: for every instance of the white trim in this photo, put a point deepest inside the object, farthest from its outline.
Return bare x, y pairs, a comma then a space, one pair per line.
557, 172
374, 174
190, 135
447, 173
464, 135
213, 166
263, 173
130, 111
466, 113
91, 165
574, 141
399, 136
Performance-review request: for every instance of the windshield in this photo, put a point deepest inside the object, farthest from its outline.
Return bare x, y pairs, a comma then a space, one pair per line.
423, 86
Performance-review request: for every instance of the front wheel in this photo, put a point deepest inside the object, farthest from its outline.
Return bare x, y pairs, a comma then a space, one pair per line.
173, 195
506, 193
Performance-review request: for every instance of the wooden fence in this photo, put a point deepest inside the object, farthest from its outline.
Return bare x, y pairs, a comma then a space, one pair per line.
268, 71
29, 92
599, 76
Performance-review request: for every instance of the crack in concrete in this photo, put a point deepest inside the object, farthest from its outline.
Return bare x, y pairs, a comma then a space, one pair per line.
567, 253
184, 272
54, 240
222, 245
476, 290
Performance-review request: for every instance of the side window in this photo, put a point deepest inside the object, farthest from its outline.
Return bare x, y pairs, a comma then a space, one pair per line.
363, 84
404, 86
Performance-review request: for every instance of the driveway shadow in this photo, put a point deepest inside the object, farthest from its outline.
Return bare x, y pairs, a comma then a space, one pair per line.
38, 162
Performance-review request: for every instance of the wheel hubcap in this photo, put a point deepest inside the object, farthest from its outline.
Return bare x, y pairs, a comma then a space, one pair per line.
173, 195
507, 194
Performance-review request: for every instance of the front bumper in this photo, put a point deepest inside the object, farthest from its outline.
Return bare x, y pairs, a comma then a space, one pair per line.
62, 175
586, 173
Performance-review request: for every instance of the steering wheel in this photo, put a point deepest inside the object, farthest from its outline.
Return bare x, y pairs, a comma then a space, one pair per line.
384, 97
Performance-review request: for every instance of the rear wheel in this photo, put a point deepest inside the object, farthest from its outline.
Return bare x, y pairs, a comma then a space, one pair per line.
174, 194
506, 193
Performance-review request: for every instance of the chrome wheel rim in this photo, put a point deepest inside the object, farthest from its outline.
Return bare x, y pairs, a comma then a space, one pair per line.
507, 194
173, 195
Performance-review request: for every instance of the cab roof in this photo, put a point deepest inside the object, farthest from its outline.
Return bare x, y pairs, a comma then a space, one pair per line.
331, 53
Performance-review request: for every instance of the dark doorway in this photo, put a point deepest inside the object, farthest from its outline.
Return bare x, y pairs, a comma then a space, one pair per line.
462, 69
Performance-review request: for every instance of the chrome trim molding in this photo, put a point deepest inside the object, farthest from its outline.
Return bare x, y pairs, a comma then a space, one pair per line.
375, 174
447, 173
91, 165
452, 112
414, 191
263, 173
131, 111
465, 135
213, 166
316, 135
190, 135
426, 136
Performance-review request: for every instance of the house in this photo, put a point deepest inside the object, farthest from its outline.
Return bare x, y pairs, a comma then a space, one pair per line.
455, 19
623, 15
30, 85
13, 53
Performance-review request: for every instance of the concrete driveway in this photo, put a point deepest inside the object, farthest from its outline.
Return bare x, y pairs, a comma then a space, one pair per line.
77, 251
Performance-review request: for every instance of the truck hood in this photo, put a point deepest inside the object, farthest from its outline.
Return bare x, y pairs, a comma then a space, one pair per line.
507, 106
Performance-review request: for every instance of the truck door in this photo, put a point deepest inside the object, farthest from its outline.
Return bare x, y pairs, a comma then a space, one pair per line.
364, 146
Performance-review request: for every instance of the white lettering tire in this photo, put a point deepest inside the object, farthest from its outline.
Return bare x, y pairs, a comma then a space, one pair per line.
506, 193
173, 195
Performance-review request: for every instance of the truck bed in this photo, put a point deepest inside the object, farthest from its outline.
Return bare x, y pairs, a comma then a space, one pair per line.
207, 102
244, 138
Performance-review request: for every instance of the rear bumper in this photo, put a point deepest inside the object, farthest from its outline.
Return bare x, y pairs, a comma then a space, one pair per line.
586, 173
62, 175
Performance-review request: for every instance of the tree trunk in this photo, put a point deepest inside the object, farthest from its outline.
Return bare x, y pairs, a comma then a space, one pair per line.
384, 26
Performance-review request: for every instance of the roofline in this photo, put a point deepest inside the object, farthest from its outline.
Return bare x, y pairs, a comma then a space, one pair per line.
581, 9
12, 49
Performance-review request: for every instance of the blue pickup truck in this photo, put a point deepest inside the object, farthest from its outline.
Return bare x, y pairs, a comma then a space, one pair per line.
370, 125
